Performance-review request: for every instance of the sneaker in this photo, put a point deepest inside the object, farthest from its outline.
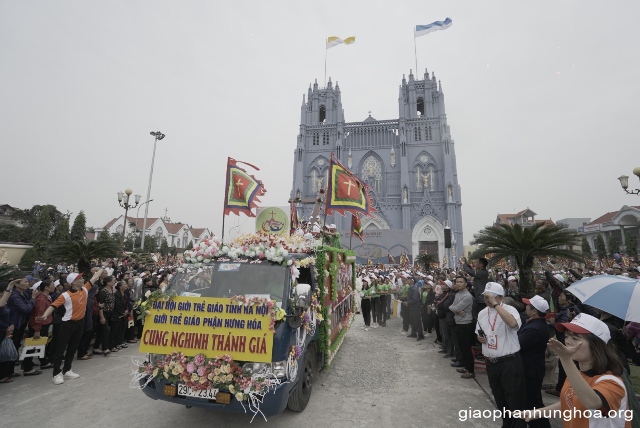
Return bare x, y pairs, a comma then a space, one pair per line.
366, 329
375, 325
468, 375
58, 379
71, 375
46, 366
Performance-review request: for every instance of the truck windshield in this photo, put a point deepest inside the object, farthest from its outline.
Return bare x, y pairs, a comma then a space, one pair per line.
228, 279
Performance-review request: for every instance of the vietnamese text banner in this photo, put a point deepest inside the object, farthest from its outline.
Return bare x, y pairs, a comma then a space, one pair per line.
209, 326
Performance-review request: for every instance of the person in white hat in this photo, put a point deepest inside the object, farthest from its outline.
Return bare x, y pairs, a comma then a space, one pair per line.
595, 385
497, 330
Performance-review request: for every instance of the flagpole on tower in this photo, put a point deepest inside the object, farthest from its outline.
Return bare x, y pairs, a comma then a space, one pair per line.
415, 51
325, 62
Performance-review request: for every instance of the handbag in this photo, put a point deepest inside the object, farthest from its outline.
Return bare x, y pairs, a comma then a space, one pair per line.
8, 351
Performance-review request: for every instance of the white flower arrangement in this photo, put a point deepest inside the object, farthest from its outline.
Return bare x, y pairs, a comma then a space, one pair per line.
255, 246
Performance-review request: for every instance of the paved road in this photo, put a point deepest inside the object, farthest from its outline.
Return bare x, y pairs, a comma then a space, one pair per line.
380, 378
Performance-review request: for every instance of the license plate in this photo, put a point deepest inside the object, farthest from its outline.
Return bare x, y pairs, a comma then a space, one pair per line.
185, 391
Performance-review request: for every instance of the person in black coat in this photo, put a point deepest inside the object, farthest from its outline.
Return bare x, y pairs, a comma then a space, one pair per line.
533, 337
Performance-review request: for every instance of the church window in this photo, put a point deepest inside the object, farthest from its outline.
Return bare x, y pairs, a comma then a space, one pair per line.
325, 139
418, 134
429, 136
372, 172
323, 114
316, 139
421, 106
185, 237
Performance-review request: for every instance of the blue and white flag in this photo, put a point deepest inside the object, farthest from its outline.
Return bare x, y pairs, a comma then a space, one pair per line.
421, 30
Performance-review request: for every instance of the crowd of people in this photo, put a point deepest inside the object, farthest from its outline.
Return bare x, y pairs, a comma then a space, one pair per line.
82, 315
475, 315
472, 314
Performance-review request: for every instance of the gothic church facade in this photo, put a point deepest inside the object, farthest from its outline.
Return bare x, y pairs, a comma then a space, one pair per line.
409, 164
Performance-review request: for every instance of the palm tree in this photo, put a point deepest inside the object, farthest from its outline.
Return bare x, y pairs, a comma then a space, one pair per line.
7, 272
83, 252
542, 240
426, 260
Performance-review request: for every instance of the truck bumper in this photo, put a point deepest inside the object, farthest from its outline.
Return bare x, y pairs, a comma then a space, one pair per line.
272, 403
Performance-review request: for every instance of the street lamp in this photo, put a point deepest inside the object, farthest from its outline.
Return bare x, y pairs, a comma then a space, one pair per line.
158, 136
624, 182
137, 217
123, 200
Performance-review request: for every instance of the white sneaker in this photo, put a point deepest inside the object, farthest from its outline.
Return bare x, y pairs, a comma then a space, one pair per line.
403, 332
366, 329
71, 375
375, 325
58, 379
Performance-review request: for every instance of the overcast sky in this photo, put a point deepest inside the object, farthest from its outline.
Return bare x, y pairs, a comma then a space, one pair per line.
542, 98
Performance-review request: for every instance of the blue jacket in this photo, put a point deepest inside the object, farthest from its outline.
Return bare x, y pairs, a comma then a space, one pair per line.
20, 305
413, 296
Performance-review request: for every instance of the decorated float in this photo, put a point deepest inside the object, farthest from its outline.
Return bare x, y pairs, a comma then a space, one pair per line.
245, 326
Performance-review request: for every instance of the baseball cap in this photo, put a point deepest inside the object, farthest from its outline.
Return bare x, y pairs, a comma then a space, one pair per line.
495, 288
72, 277
559, 277
585, 323
511, 278
449, 283
36, 285
537, 302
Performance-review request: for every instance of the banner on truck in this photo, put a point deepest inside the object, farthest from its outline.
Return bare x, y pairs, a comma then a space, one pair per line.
209, 326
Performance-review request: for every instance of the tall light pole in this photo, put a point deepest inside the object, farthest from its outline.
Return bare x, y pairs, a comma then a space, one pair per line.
137, 217
158, 136
123, 200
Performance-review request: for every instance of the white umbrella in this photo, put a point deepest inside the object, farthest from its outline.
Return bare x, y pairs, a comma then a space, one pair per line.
617, 295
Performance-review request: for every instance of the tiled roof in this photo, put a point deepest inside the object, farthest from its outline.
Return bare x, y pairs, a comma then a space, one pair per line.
173, 228
197, 232
604, 218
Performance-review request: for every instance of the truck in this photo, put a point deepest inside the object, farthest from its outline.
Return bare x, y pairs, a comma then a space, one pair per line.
247, 325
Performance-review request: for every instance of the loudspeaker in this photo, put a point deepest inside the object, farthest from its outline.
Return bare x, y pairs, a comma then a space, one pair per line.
447, 238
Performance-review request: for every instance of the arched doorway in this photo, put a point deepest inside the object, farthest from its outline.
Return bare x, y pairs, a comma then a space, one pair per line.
428, 236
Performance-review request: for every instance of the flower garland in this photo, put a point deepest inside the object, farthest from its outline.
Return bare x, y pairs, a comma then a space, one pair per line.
274, 311
201, 373
274, 248
152, 297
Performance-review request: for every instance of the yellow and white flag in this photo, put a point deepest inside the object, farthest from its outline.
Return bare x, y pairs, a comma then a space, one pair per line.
335, 41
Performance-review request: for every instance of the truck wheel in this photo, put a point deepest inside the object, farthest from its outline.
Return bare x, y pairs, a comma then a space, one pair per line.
299, 398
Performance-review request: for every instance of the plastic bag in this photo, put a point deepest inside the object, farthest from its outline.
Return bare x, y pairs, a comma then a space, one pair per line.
8, 351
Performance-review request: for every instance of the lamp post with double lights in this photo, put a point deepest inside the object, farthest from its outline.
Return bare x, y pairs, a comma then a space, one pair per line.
624, 182
123, 200
158, 136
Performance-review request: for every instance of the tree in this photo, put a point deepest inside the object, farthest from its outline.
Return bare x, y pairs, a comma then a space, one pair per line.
42, 234
426, 260
82, 253
79, 227
29, 218
61, 231
614, 247
164, 247
13, 233
150, 244
28, 259
174, 250
601, 249
586, 248
189, 245
632, 245
525, 244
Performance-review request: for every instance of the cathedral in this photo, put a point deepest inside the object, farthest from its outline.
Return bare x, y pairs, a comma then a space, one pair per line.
409, 164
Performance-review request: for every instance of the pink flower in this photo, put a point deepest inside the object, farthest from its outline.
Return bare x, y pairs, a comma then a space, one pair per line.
202, 371
199, 360
191, 368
